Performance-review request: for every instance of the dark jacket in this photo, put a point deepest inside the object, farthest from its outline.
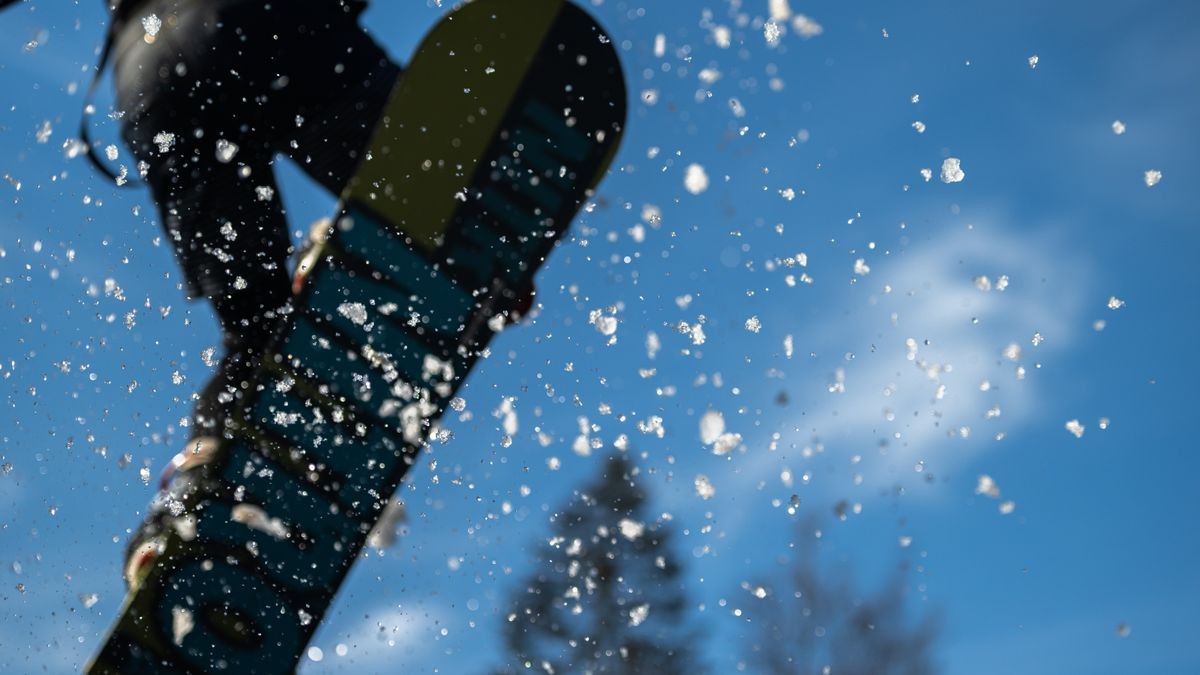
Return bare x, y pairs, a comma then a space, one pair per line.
123, 9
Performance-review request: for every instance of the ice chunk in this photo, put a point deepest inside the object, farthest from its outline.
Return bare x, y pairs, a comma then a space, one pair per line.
652, 425
151, 24
507, 412
725, 443
772, 32
652, 344
605, 325
712, 425
1074, 427
838, 386
164, 140
987, 486
182, 623
1012, 352
355, 311
806, 27
722, 36
639, 614
631, 529
652, 215
226, 150
695, 179
952, 170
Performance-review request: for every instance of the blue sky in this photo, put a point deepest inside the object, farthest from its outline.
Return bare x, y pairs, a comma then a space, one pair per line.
1102, 530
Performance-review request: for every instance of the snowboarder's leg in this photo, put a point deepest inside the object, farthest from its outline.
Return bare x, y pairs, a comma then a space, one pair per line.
222, 89
335, 117
332, 110
227, 227
208, 102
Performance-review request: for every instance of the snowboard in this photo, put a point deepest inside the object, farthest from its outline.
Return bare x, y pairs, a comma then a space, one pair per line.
506, 118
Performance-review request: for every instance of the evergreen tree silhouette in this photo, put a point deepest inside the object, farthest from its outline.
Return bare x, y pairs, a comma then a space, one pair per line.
607, 596
814, 622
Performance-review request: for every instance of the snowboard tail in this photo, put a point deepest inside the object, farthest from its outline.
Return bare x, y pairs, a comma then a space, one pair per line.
507, 117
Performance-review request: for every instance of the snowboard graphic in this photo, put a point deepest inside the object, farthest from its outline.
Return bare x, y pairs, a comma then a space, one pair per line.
507, 116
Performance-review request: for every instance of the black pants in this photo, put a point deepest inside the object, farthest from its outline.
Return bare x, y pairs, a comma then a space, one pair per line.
209, 102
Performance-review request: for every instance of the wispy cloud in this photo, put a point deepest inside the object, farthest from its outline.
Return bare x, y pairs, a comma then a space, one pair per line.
382, 639
950, 346
936, 364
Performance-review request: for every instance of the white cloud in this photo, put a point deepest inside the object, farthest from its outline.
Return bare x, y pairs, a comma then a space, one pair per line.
928, 379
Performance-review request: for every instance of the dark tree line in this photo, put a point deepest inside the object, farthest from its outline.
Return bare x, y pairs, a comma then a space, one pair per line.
816, 622
607, 595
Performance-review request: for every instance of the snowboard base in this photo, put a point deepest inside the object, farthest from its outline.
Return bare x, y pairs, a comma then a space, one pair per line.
507, 117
